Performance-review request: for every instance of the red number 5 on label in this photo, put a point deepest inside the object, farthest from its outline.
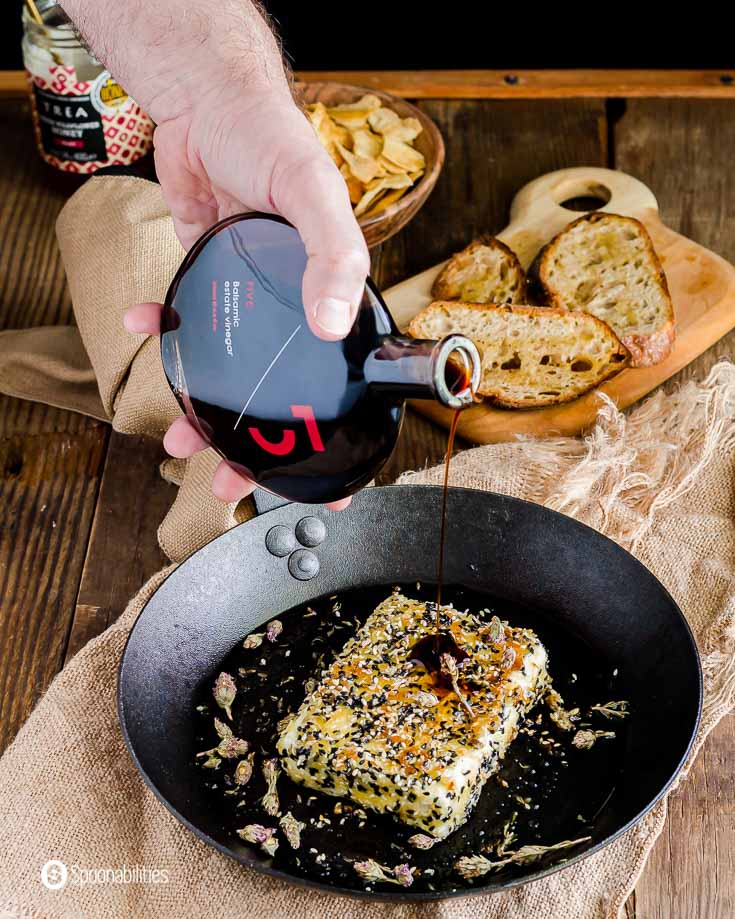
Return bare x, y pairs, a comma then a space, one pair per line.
286, 444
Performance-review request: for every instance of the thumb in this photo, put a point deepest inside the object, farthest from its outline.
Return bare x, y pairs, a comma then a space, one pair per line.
310, 193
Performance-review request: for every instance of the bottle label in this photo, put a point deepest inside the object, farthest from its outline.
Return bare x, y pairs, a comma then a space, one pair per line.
82, 125
71, 129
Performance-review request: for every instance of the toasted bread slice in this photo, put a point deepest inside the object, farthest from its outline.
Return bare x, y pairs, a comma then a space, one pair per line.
487, 271
531, 356
605, 264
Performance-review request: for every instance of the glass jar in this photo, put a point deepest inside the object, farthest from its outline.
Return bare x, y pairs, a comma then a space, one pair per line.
83, 118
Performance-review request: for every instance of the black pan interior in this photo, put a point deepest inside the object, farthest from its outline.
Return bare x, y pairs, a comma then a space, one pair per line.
611, 629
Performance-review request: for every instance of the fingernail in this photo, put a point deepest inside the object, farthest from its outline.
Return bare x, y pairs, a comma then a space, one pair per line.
334, 316
132, 323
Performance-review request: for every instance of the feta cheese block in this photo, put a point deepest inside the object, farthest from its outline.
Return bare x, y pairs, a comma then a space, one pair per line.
381, 729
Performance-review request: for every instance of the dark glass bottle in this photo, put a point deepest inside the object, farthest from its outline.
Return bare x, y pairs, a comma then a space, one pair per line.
309, 420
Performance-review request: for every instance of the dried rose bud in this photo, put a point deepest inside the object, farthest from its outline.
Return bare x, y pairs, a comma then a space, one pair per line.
449, 667
271, 804
292, 829
244, 771
403, 874
426, 699
422, 841
222, 729
496, 630
256, 834
270, 846
370, 870
584, 740
225, 692
254, 640
273, 630
232, 747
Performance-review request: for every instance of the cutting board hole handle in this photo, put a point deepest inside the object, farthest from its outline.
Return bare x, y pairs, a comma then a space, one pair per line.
589, 198
550, 201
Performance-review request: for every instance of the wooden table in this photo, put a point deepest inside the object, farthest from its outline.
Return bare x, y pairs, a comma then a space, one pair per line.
80, 503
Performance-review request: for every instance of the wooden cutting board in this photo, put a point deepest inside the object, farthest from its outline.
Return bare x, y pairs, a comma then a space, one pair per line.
702, 288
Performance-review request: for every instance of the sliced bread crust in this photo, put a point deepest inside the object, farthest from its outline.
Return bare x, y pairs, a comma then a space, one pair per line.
486, 271
605, 264
531, 356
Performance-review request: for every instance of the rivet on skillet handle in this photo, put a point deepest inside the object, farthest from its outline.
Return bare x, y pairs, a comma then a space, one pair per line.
310, 531
280, 541
303, 565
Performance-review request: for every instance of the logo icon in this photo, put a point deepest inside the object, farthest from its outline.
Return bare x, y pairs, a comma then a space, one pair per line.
107, 96
54, 875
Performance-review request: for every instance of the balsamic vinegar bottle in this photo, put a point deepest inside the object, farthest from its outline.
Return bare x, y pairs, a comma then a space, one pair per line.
309, 420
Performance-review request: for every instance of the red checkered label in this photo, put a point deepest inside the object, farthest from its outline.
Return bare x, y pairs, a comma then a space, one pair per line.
81, 125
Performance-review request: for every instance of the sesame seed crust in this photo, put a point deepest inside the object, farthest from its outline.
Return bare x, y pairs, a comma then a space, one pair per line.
378, 729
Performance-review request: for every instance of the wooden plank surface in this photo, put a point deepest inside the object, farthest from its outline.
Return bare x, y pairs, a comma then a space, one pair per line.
50, 461
678, 147
123, 550
505, 84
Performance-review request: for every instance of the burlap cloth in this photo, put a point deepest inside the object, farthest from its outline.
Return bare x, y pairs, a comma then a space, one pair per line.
659, 481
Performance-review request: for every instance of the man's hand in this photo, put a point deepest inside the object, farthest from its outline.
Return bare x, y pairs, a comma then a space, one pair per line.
260, 153
229, 138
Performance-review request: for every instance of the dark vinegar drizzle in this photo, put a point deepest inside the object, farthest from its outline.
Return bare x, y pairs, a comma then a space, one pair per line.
429, 650
442, 529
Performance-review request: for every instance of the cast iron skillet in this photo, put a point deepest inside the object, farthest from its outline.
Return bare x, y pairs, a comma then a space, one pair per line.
580, 589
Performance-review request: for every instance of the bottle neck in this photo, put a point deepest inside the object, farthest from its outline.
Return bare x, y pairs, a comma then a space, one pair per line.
408, 368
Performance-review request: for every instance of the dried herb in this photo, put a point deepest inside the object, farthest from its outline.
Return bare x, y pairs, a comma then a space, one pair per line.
422, 841
508, 658
291, 829
225, 692
270, 846
244, 770
449, 667
612, 709
404, 875
274, 629
223, 730
474, 866
254, 640
559, 715
508, 837
212, 763
583, 740
372, 872
426, 699
263, 836
495, 631
271, 804
229, 746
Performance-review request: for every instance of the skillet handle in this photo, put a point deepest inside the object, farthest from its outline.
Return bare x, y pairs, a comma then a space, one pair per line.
266, 501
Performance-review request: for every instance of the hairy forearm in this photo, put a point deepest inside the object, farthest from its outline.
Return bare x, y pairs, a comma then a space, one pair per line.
172, 56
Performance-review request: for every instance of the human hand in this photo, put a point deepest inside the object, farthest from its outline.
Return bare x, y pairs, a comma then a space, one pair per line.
261, 156
182, 439
229, 138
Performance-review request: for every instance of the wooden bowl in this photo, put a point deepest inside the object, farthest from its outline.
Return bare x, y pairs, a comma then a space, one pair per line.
383, 225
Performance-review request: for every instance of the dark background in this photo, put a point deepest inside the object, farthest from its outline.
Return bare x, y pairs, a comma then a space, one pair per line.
420, 34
